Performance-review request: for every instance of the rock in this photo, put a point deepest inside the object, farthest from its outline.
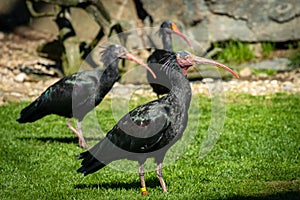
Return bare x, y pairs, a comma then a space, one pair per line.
274, 82
221, 32
16, 94
211, 20
208, 80
279, 64
262, 76
287, 85
27, 84
283, 11
204, 21
246, 72
280, 76
21, 77
1, 35
6, 71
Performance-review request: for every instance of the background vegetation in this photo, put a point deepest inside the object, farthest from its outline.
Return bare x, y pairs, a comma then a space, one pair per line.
237, 52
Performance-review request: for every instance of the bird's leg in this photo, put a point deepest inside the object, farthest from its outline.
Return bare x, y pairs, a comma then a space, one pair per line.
142, 178
81, 140
159, 175
71, 127
78, 133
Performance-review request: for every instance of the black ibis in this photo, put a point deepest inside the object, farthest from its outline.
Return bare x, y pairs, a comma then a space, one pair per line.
77, 94
150, 129
161, 85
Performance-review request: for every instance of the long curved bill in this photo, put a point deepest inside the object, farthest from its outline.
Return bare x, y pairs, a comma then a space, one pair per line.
133, 58
177, 31
211, 62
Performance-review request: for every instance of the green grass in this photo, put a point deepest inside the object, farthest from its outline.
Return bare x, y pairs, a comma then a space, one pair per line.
295, 56
256, 157
269, 72
267, 48
234, 52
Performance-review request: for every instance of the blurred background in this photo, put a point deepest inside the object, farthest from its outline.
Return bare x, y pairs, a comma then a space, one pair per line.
205, 20
260, 39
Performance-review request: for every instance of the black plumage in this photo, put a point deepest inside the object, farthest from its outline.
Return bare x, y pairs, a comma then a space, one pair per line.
77, 94
161, 85
151, 129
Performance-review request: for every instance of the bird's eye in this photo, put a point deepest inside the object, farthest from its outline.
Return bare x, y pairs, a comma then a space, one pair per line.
122, 53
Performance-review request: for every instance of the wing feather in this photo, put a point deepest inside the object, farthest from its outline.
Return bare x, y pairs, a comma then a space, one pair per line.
142, 128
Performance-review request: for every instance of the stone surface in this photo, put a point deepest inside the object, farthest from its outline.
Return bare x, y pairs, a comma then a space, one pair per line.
20, 77
246, 72
211, 20
204, 21
279, 64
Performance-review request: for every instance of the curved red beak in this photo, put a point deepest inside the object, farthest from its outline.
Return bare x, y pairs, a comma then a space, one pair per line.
211, 62
131, 57
177, 31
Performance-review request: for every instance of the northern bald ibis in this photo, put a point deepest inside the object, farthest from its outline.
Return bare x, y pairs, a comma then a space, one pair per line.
161, 85
150, 129
77, 94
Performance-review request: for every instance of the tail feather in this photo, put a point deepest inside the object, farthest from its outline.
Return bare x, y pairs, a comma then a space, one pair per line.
103, 153
32, 112
89, 164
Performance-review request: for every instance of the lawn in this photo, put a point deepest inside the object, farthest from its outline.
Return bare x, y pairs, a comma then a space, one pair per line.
256, 156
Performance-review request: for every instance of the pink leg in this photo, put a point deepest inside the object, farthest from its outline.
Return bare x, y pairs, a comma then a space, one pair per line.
71, 127
81, 141
159, 175
142, 178
78, 132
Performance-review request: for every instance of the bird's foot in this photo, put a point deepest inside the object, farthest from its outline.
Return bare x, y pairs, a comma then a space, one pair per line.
82, 144
144, 191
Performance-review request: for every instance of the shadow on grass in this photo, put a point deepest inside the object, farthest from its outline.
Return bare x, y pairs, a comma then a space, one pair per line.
287, 195
151, 183
67, 140
52, 139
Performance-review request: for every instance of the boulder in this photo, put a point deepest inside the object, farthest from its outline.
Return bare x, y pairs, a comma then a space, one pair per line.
246, 72
251, 21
